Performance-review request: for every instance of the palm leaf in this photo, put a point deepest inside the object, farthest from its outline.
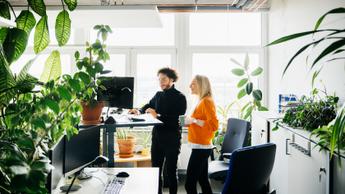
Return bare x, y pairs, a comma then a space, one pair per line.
331, 48
26, 21
333, 11
62, 28
297, 35
41, 39
299, 52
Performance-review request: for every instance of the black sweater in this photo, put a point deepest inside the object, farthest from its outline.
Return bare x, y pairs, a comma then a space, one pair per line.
169, 104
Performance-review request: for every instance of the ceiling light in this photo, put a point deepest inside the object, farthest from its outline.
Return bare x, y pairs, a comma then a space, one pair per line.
128, 16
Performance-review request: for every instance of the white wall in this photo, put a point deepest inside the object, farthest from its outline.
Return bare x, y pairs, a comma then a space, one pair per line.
292, 16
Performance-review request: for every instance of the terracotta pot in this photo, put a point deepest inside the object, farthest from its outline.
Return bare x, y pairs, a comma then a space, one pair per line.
126, 147
91, 114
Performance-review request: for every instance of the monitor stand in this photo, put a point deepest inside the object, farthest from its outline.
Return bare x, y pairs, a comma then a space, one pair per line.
83, 175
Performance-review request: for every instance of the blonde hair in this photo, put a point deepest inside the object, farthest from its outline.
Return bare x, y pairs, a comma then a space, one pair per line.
204, 86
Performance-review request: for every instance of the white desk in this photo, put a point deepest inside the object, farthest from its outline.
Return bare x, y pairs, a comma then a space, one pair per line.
140, 180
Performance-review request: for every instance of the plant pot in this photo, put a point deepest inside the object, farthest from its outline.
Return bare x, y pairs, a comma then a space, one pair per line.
91, 114
145, 151
126, 147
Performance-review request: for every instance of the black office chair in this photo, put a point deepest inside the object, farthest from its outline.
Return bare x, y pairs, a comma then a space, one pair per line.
250, 169
236, 136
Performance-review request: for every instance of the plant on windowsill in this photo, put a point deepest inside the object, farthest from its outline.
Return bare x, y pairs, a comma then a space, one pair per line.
126, 143
90, 68
247, 89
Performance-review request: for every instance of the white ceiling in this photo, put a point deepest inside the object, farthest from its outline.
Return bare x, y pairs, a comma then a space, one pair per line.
248, 5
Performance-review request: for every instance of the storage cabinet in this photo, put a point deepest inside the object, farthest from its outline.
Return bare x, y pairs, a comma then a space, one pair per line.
300, 167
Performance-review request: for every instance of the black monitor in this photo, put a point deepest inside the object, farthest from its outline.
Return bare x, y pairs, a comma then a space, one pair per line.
119, 92
56, 156
81, 149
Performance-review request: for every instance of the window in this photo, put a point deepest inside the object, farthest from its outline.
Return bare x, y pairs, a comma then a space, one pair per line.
37, 67
116, 64
217, 67
146, 78
143, 36
225, 29
52, 37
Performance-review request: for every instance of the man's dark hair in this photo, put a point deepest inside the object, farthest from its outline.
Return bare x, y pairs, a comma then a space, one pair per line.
171, 73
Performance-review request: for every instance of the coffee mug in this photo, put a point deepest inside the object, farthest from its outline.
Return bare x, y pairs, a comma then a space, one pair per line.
181, 120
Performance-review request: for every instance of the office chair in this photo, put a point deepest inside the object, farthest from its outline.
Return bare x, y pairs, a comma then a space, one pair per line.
250, 169
236, 136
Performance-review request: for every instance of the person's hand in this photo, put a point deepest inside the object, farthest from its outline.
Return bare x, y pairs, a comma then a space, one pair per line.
152, 112
134, 111
188, 120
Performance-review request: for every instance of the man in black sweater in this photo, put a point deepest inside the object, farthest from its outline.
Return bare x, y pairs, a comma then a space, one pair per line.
166, 106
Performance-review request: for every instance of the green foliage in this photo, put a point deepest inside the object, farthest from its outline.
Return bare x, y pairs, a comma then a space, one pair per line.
33, 115
246, 87
38, 6
334, 38
15, 44
26, 21
52, 68
41, 38
90, 66
62, 27
71, 4
332, 136
311, 114
122, 133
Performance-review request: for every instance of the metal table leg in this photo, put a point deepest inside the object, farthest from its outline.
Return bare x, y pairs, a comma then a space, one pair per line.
111, 143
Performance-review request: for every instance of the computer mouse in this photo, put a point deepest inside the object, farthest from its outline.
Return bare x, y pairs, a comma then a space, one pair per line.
110, 120
122, 175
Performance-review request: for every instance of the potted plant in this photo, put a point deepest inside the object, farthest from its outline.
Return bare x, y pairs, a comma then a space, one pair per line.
126, 143
33, 114
90, 67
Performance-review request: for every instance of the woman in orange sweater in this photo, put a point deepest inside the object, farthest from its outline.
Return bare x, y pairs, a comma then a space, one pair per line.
202, 125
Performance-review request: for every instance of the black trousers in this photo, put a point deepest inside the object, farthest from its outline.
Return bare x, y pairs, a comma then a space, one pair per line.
161, 152
197, 171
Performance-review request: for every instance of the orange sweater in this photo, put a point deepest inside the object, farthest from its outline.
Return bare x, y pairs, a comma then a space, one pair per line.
205, 111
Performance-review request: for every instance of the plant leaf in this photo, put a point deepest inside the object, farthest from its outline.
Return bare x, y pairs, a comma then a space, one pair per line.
257, 94
315, 74
257, 71
292, 36
5, 10
65, 94
334, 46
249, 88
54, 106
71, 4
3, 34
24, 71
242, 82
241, 93
15, 44
6, 80
26, 21
262, 108
41, 39
333, 11
38, 6
62, 27
52, 67
238, 71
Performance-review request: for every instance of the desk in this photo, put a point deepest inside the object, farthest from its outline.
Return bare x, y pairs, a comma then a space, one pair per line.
140, 180
110, 129
138, 160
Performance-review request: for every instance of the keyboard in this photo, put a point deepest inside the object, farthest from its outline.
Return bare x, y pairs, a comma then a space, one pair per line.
114, 185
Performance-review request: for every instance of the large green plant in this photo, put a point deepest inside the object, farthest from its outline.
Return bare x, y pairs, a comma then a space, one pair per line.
91, 67
334, 38
246, 87
33, 114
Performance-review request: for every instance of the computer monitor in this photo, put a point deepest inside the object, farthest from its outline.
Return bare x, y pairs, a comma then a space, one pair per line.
56, 156
81, 149
119, 92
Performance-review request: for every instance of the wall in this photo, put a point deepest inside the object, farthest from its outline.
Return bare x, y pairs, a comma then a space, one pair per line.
292, 16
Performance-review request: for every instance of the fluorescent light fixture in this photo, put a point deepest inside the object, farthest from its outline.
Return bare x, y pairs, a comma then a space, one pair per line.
128, 16
6, 23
